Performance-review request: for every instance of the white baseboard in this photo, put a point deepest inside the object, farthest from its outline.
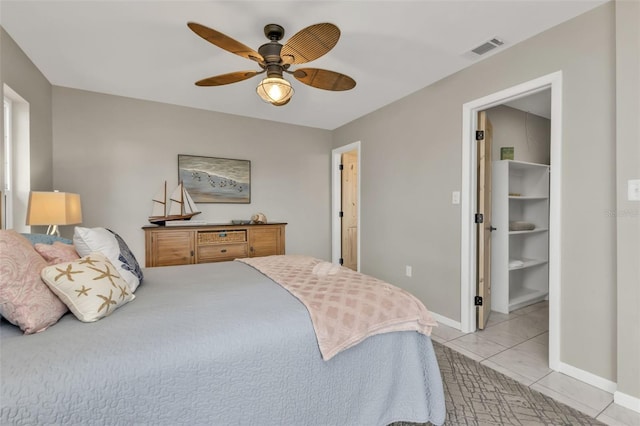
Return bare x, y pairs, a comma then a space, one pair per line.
622, 399
446, 321
627, 401
589, 378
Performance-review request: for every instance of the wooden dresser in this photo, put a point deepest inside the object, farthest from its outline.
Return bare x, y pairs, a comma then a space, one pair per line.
183, 245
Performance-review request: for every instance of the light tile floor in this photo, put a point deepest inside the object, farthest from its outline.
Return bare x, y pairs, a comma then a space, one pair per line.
517, 345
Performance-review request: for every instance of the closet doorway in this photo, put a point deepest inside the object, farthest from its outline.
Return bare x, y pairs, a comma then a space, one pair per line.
469, 242
513, 239
513, 180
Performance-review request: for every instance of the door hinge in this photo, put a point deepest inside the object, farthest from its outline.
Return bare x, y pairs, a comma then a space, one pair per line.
479, 218
477, 300
479, 135
341, 214
341, 261
341, 166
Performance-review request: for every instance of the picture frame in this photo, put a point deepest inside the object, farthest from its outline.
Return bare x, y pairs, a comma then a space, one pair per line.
214, 179
506, 153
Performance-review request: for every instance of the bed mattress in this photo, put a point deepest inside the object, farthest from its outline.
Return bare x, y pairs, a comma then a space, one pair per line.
215, 344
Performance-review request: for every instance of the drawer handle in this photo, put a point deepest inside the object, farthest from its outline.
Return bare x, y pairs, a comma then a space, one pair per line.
223, 251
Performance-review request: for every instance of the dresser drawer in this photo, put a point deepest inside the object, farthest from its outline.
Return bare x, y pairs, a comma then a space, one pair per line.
219, 252
221, 237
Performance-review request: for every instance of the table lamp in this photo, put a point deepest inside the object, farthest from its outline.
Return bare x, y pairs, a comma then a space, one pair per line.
53, 209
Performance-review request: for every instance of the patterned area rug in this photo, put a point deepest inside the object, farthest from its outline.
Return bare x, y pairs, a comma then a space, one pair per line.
477, 395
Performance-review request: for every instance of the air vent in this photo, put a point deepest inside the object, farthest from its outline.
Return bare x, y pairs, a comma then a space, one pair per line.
488, 46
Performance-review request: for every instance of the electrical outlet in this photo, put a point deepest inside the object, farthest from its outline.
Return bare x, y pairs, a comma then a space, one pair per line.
455, 197
633, 190
408, 270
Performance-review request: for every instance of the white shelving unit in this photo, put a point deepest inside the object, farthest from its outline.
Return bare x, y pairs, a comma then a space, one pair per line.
519, 259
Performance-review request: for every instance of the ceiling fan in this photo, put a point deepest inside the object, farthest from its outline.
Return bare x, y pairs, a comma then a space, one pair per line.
275, 59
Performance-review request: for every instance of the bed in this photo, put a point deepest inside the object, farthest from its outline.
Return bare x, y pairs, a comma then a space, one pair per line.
214, 344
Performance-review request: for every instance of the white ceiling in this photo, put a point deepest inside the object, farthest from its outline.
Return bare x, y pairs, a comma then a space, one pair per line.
143, 49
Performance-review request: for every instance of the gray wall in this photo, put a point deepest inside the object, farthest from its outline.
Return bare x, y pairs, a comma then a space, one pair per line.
528, 134
411, 161
117, 152
628, 212
18, 72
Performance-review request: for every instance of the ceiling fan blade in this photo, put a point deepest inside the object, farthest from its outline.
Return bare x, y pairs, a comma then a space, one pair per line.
225, 42
232, 77
310, 43
324, 79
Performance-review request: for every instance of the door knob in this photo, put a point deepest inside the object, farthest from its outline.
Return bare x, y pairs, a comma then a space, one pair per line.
491, 228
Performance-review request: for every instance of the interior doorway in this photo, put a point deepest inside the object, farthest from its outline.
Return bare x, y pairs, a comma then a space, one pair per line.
552, 82
345, 217
513, 272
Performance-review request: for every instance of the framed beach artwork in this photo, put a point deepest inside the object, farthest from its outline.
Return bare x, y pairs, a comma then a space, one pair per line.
215, 180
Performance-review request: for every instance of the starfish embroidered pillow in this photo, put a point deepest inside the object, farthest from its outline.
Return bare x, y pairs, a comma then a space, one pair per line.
91, 286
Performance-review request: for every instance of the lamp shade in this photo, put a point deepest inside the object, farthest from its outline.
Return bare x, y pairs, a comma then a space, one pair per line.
275, 90
54, 208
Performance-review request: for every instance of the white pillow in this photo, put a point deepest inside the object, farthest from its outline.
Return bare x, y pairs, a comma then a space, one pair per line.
110, 244
90, 286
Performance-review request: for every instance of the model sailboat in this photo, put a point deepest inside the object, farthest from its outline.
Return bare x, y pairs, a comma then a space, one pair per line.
179, 206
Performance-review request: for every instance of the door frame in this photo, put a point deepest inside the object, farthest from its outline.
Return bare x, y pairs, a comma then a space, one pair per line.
336, 200
468, 271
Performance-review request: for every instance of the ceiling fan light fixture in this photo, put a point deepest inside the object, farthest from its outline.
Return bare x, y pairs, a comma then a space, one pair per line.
275, 90
274, 59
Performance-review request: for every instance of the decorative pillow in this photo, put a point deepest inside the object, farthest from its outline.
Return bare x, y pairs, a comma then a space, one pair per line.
25, 300
46, 239
57, 252
90, 286
110, 244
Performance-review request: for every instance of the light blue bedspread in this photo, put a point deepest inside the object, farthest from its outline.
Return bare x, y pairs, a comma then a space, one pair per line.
212, 344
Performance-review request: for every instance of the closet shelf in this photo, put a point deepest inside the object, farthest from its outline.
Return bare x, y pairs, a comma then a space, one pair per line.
528, 263
533, 231
524, 296
528, 197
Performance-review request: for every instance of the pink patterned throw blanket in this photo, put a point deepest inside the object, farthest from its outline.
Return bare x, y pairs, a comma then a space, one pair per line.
345, 306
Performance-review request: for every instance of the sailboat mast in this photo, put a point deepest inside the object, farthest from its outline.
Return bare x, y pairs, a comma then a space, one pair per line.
165, 199
182, 198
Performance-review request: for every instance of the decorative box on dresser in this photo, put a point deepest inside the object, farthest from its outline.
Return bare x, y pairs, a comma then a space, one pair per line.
519, 257
186, 244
